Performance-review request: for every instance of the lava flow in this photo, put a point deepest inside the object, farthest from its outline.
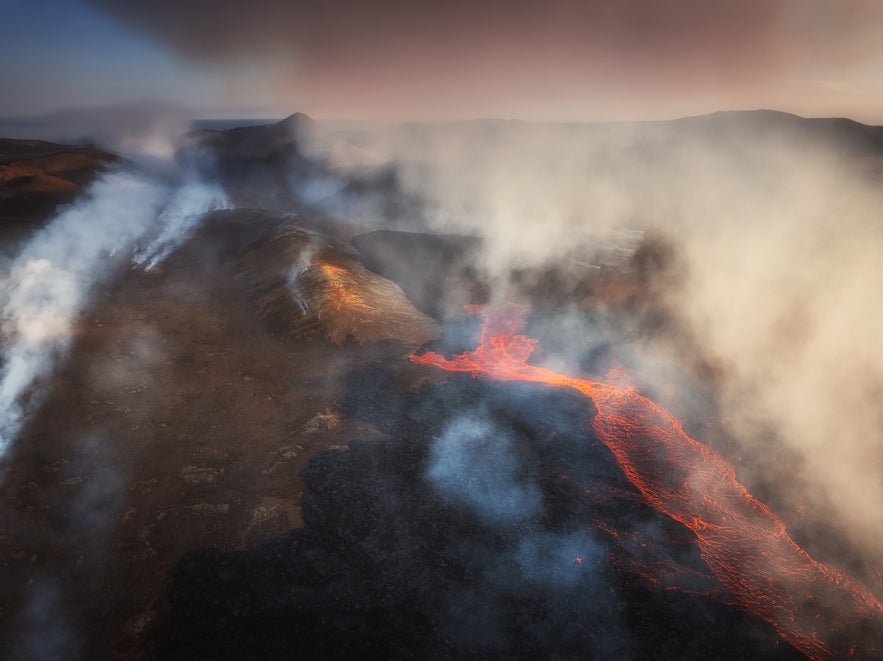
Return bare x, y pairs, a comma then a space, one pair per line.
817, 608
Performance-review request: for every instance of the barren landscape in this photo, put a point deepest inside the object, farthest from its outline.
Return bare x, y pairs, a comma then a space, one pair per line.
227, 434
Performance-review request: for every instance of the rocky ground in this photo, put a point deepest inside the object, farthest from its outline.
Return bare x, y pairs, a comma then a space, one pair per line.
231, 461
182, 419
204, 479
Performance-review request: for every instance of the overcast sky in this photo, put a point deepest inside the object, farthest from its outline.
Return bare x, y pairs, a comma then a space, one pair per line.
394, 59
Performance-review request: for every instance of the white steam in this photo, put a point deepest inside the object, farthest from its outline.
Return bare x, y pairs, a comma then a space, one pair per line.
50, 281
188, 204
472, 465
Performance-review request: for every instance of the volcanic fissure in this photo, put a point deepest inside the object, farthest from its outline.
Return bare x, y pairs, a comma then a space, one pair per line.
817, 608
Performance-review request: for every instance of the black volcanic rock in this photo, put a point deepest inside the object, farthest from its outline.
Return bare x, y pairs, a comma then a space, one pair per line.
263, 141
258, 165
387, 566
294, 164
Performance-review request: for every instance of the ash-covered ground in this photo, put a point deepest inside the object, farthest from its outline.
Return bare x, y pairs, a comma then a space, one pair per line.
230, 455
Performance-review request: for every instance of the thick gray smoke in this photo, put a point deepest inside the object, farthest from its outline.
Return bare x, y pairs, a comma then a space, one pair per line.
50, 281
773, 222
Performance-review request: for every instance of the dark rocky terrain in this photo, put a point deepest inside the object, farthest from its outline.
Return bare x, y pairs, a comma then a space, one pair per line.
231, 461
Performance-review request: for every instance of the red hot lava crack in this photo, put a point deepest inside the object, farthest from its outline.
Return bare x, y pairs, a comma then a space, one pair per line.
817, 608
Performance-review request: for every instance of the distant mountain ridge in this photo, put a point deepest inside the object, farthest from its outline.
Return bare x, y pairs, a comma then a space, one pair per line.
36, 177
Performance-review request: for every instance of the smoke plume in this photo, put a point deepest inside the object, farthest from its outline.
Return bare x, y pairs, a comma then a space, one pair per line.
188, 204
50, 281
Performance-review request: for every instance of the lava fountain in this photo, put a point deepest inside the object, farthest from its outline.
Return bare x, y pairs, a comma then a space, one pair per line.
817, 608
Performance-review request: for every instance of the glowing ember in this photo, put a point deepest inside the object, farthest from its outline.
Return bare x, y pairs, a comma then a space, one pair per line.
817, 608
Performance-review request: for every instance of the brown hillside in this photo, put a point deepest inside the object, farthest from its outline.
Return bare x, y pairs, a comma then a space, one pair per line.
37, 177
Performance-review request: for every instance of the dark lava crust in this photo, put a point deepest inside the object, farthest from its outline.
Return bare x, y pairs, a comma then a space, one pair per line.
388, 566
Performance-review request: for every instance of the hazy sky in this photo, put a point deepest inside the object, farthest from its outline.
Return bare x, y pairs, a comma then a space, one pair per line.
393, 59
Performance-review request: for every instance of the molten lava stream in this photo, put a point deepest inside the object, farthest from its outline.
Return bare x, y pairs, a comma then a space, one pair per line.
817, 608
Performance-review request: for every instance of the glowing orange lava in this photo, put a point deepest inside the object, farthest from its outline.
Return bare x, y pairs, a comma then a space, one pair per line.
817, 608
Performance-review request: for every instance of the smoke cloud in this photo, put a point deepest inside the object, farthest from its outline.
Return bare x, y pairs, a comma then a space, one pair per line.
773, 281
